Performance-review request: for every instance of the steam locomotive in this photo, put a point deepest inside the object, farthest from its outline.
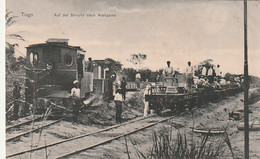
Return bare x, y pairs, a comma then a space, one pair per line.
51, 69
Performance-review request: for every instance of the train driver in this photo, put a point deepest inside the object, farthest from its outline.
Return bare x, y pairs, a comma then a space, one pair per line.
89, 65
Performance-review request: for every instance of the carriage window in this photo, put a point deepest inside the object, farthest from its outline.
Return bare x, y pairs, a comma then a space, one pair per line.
34, 58
68, 60
31, 58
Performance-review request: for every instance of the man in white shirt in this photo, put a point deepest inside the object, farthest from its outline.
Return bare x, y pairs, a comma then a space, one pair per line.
138, 79
168, 73
189, 76
217, 71
204, 71
118, 101
210, 74
76, 101
146, 104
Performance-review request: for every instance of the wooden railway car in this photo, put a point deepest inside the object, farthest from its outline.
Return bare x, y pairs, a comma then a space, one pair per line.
161, 95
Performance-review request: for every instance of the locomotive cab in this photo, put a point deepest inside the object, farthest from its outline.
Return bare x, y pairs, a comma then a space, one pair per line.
51, 69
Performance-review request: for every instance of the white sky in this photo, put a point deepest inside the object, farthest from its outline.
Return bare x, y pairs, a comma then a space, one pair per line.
178, 31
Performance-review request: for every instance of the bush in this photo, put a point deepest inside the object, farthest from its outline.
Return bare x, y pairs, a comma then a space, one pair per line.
254, 96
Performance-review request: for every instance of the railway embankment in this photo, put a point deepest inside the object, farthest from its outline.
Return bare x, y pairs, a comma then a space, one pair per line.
212, 116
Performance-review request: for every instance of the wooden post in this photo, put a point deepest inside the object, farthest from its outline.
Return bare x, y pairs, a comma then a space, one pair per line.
246, 85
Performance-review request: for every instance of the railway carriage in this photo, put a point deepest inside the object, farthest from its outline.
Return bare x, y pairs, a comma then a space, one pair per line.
164, 95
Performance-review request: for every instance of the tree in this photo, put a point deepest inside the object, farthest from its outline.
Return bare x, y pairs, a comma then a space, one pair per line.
113, 65
137, 59
11, 62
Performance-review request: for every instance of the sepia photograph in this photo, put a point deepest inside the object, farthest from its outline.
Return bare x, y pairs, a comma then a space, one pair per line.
131, 79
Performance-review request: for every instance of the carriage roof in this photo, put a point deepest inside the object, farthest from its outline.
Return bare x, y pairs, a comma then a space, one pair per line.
57, 42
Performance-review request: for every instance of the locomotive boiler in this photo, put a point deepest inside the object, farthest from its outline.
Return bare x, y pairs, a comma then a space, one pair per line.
52, 67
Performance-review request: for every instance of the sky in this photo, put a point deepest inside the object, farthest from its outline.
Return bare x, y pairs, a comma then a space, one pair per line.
174, 30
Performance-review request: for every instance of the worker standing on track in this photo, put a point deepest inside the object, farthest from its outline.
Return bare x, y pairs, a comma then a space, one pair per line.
189, 76
16, 96
138, 79
118, 101
76, 101
123, 87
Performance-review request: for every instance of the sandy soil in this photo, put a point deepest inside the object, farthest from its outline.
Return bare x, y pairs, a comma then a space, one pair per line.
212, 115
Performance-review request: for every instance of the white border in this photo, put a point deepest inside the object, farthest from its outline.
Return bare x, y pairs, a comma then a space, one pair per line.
2, 80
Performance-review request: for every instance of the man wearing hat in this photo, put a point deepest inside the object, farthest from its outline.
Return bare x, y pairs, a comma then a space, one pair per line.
16, 96
76, 101
118, 101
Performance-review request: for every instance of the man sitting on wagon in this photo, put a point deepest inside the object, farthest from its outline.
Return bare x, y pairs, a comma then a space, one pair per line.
189, 76
204, 71
168, 73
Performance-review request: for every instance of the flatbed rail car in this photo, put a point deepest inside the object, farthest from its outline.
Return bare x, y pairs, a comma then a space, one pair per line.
159, 102
160, 98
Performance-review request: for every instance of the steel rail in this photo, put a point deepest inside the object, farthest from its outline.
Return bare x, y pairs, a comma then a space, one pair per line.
76, 137
33, 130
23, 123
113, 138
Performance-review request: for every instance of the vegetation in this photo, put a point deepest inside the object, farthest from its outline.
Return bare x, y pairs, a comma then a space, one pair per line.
254, 96
13, 64
166, 146
130, 73
137, 59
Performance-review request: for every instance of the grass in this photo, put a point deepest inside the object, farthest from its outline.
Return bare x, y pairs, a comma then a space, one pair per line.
166, 145
254, 96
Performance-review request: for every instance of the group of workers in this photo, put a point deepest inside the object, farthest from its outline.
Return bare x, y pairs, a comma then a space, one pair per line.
119, 96
202, 76
209, 74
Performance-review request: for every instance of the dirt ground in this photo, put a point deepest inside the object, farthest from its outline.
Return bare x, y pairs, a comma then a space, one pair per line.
210, 116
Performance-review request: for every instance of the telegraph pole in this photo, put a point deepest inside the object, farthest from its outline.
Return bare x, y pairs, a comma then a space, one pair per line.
246, 85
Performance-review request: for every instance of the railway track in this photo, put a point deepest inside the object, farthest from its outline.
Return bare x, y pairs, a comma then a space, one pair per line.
91, 140
111, 139
31, 130
22, 123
